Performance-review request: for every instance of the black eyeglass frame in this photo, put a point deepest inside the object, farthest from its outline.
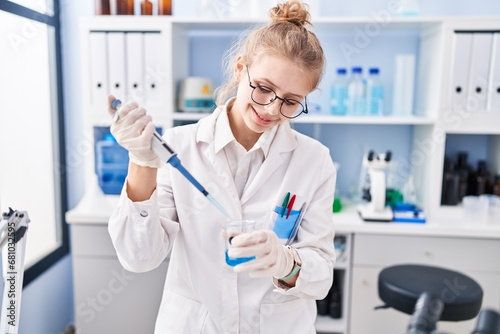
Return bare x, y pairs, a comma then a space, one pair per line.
276, 97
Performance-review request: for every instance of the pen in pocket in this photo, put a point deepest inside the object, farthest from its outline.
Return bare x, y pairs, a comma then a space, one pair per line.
285, 203
290, 206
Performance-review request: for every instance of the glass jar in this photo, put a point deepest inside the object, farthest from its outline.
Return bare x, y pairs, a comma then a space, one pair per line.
102, 7
124, 7
146, 7
164, 7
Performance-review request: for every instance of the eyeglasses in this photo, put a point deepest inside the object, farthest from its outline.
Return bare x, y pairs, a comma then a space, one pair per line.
264, 96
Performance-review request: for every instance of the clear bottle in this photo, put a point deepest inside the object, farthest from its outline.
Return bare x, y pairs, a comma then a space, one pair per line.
356, 93
408, 8
374, 93
338, 101
146, 7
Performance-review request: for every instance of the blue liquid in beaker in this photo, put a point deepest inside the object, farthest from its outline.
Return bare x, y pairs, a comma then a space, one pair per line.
235, 261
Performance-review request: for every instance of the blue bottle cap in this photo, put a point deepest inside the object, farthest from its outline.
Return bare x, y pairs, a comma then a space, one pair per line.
374, 70
341, 71
357, 69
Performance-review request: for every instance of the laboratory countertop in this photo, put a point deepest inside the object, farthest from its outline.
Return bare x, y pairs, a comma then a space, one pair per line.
448, 223
95, 208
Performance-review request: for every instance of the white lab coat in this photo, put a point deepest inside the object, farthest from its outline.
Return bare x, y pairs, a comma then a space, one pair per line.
202, 294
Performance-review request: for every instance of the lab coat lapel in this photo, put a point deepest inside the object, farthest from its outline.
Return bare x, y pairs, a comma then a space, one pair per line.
221, 171
283, 143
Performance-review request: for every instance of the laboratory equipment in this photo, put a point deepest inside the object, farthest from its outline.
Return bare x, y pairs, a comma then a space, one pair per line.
196, 95
167, 154
231, 229
356, 93
111, 165
376, 209
13, 228
374, 93
338, 99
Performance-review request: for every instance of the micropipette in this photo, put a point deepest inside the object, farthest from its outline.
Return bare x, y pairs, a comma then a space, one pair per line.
165, 152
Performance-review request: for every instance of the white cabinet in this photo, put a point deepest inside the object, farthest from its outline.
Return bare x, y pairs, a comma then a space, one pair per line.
372, 253
107, 298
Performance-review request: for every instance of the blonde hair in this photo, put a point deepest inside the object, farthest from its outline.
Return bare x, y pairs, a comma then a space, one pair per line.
284, 36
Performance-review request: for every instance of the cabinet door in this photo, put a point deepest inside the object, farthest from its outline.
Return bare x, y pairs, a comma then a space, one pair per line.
364, 297
109, 299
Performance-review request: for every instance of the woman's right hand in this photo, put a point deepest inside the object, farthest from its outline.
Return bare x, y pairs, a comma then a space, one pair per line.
134, 130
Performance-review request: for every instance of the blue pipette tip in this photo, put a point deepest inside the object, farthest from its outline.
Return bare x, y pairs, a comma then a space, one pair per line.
115, 103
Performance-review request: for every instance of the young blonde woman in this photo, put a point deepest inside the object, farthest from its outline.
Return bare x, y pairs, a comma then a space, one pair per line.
248, 157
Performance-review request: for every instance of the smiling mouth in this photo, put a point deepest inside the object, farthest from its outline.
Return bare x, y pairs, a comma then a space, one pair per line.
260, 117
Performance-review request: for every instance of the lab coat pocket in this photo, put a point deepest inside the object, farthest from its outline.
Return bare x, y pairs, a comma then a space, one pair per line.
179, 315
283, 225
289, 317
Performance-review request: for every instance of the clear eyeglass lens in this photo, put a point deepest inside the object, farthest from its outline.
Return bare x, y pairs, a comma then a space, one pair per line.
292, 108
264, 96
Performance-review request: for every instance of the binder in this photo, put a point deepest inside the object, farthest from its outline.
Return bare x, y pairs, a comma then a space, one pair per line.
155, 76
479, 71
135, 67
460, 70
98, 73
493, 104
116, 63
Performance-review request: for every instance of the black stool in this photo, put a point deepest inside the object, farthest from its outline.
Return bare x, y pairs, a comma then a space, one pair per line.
401, 286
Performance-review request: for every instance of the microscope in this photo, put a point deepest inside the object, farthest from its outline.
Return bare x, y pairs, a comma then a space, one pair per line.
376, 209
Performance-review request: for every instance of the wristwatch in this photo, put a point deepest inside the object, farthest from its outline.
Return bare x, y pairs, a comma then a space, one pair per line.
297, 263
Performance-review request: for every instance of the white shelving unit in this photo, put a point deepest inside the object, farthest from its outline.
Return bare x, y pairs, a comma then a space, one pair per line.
430, 122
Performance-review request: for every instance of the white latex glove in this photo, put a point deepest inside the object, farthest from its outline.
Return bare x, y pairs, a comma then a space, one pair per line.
272, 258
134, 131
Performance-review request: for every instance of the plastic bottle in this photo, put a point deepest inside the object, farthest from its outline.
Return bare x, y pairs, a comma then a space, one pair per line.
338, 102
408, 8
374, 93
356, 93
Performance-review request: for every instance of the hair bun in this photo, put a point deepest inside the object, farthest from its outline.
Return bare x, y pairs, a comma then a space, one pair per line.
291, 11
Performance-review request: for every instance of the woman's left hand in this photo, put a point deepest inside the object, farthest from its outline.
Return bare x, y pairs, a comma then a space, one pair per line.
272, 258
